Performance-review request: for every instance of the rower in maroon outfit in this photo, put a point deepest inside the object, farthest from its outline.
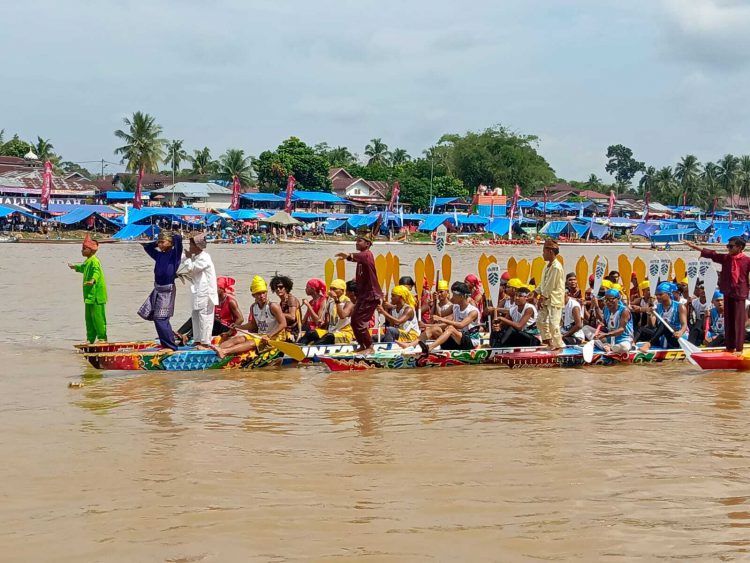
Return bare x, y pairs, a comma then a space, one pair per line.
733, 283
369, 294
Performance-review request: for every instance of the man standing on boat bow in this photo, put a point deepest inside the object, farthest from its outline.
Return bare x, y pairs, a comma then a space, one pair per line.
733, 283
551, 291
369, 294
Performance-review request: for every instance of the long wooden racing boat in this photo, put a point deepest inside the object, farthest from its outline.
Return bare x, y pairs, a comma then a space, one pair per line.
529, 357
722, 361
149, 358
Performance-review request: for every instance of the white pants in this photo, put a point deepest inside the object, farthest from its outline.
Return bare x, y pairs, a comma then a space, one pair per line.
622, 348
203, 324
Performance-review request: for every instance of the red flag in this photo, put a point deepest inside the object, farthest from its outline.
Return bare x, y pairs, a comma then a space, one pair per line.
394, 195
289, 191
46, 185
235, 194
645, 210
137, 200
612, 200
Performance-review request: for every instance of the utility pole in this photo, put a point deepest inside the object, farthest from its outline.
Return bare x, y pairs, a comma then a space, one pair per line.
173, 152
102, 168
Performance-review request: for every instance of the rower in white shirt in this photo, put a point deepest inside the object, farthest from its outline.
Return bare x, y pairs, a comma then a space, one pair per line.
199, 266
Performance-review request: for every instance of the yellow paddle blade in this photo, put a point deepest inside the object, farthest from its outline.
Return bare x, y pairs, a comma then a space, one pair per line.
492, 259
388, 270
582, 273
380, 269
483, 261
680, 271
523, 268
419, 275
429, 271
289, 348
445, 268
341, 269
561, 259
512, 265
626, 270
329, 272
639, 267
537, 266
396, 269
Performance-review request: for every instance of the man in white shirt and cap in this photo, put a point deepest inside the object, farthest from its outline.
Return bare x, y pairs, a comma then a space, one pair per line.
199, 266
551, 298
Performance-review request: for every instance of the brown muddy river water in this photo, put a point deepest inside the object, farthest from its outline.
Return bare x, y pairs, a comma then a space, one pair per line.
646, 463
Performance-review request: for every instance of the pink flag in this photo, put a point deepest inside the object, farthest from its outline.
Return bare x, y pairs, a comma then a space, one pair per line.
46, 185
235, 194
612, 200
394, 195
137, 199
289, 191
514, 202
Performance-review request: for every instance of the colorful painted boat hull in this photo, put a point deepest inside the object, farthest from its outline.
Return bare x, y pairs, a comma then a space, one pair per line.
439, 359
722, 361
101, 347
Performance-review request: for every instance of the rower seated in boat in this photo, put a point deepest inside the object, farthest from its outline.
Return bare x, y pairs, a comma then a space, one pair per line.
673, 313
266, 320
618, 335
572, 318
404, 323
518, 326
459, 331
441, 306
338, 319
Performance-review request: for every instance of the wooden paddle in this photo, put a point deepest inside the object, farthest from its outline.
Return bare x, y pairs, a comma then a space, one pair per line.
653, 274
419, 275
492, 274
482, 267
600, 270
446, 267
441, 239
512, 267
329, 272
665, 266
626, 269
522, 271
680, 271
537, 267
588, 348
582, 275
340, 269
380, 268
429, 272
395, 269
492, 259
561, 259
692, 275
639, 267
288, 348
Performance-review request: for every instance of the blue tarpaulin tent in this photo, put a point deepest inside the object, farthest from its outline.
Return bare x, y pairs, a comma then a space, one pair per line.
334, 225
267, 198
317, 197
59, 208
724, 233
135, 231
646, 229
555, 229
247, 214
357, 221
672, 235
125, 196
136, 215
6, 211
432, 222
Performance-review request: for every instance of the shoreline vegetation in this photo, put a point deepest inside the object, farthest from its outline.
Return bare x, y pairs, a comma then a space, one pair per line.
454, 166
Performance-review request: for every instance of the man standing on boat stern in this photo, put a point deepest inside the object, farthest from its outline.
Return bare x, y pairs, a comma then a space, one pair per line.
551, 300
369, 294
203, 291
733, 283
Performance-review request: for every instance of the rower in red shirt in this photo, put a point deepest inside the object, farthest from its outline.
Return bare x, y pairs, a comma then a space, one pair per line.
733, 283
369, 294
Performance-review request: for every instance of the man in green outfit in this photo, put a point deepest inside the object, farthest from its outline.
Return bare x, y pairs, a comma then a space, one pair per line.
94, 291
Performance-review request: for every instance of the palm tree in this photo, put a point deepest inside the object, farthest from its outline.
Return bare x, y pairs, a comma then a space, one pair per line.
399, 156
175, 154
2, 135
202, 162
593, 182
744, 178
43, 149
647, 183
688, 172
377, 151
234, 163
727, 175
340, 156
144, 146
665, 185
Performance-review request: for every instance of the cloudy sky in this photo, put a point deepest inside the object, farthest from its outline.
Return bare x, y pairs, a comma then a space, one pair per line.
665, 77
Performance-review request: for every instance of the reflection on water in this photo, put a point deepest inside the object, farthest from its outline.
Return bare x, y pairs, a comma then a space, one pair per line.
625, 463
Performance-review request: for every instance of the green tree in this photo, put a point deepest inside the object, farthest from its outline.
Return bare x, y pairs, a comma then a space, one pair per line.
622, 166
128, 182
710, 182
666, 188
234, 163
496, 157
337, 156
176, 155
70, 167
15, 147
688, 173
294, 157
399, 156
744, 178
377, 152
728, 174
144, 146
2, 137
44, 149
201, 162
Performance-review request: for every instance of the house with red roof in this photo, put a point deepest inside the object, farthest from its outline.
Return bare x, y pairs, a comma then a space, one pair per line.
365, 193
